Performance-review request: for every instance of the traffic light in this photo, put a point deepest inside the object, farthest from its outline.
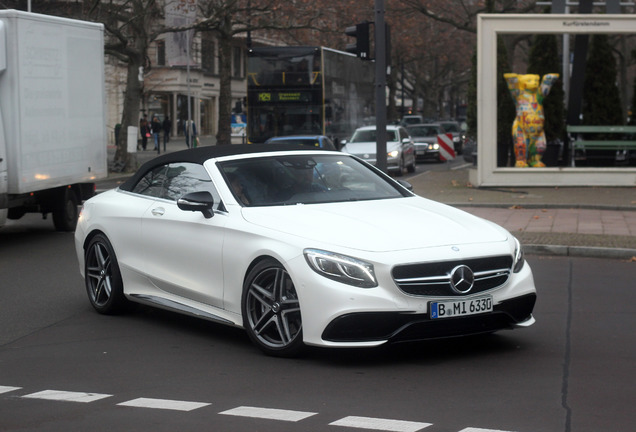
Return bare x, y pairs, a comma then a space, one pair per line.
361, 46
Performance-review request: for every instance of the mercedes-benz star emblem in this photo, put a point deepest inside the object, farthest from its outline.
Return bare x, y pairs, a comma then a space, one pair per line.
462, 279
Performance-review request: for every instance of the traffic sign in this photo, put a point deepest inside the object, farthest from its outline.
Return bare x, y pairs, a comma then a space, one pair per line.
446, 149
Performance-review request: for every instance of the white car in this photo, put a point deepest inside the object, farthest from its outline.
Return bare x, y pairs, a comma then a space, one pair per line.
399, 146
299, 247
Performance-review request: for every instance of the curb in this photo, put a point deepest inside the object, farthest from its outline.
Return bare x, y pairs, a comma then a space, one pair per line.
580, 251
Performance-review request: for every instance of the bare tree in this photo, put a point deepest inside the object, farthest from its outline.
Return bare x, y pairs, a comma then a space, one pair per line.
130, 27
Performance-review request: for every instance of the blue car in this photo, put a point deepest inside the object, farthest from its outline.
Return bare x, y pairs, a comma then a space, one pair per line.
317, 141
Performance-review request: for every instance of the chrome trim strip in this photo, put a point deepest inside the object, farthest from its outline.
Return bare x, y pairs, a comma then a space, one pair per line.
178, 307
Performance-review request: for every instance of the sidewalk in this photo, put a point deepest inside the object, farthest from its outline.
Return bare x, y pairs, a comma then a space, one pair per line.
585, 221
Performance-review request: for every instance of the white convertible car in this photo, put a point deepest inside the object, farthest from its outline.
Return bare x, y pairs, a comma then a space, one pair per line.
299, 247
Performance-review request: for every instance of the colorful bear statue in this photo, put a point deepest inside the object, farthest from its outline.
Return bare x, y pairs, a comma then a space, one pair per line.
527, 129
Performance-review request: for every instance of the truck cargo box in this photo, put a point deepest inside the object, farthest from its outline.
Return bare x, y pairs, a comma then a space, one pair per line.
52, 101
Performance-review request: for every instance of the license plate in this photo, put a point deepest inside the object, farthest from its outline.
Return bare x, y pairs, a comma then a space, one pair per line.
458, 308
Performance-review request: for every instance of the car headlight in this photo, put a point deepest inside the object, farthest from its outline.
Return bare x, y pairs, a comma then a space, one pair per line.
341, 268
393, 154
435, 146
519, 258
455, 139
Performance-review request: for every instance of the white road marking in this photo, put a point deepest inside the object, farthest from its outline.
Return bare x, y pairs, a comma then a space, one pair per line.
242, 411
7, 389
470, 429
166, 404
268, 413
458, 167
66, 396
380, 424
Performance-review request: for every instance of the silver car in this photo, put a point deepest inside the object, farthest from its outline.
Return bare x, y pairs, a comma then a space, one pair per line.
399, 146
425, 137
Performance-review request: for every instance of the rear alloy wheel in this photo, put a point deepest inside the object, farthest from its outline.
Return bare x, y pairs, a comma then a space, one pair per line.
102, 276
271, 310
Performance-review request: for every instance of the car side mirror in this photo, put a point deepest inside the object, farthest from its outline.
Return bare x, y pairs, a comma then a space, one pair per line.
406, 140
406, 185
197, 201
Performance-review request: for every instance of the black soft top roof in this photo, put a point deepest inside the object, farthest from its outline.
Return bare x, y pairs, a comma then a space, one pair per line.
201, 154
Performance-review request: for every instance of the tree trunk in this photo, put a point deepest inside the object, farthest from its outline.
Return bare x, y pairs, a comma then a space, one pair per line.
130, 116
223, 136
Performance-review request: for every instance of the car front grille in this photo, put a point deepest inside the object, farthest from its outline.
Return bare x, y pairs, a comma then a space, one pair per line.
434, 279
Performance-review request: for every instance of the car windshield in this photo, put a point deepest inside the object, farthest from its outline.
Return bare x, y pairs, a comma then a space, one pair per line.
451, 127
424, 131
369, 135
305, 179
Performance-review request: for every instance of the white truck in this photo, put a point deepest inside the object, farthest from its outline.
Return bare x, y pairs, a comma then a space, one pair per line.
52, 115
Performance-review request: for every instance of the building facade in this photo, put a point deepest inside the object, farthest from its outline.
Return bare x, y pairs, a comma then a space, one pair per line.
169, 83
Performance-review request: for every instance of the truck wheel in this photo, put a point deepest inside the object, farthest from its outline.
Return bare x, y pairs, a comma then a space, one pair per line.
65, 217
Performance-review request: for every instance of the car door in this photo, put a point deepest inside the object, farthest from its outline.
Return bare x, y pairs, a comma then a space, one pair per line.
183, 249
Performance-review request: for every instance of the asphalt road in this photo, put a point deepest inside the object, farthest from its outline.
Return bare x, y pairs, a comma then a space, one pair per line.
65, 368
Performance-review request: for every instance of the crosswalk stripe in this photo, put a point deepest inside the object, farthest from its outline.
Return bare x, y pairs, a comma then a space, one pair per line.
472, 429
269, 413
67, 396
380, 424
166, 404
7, 389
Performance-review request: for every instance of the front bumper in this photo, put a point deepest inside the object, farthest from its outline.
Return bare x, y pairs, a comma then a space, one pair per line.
402, 327
339, 315
426, 151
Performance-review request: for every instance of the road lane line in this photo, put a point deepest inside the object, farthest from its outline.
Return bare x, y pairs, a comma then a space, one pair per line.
380, 424
268, 413
471, 429
7, 389
57, 395
166, 404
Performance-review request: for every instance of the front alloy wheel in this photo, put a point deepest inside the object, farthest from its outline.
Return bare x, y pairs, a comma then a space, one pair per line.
271, 310
103, 279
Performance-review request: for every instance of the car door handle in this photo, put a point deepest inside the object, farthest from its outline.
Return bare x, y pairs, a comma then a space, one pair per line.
159, 211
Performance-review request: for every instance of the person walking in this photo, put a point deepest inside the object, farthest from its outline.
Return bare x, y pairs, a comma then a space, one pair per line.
144, 131
167, 126
155, 125
190, 131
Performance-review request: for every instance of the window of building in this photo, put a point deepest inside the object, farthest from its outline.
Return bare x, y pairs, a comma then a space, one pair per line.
161, 53
208, 56
237, 70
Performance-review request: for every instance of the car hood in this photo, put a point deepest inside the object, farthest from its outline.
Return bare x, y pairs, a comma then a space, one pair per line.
378, 226
367, 147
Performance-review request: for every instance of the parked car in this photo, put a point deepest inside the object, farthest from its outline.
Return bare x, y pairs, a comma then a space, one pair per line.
315, 141
298, 247
399, 146
425, 138
455, 129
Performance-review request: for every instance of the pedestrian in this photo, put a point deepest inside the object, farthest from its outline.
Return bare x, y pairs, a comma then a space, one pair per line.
144, 131
167, 126
156, 129
188, 127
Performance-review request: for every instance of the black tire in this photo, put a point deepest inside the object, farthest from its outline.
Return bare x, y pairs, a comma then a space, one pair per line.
411, 168
65, 217
271, 310
103, 280
400, 171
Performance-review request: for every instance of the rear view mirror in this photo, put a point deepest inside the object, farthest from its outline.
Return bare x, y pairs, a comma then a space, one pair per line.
197, 201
